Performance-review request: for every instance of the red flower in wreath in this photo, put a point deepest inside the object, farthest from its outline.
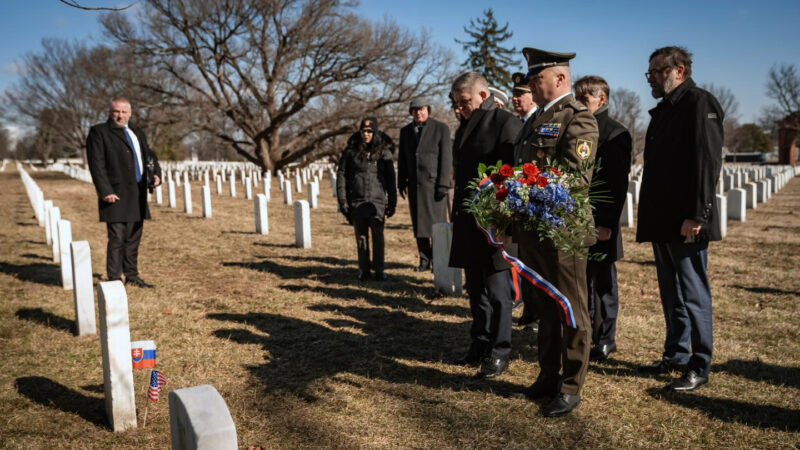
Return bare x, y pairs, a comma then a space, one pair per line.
541, 181
497, 179
530, 170
506, 170
555, 171
501, 194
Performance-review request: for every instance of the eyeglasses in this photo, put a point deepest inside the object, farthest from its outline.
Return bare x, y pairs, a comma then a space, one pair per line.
652, 72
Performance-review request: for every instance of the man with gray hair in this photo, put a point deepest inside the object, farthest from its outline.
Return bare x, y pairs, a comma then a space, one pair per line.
486, 135
424, 165
123, 167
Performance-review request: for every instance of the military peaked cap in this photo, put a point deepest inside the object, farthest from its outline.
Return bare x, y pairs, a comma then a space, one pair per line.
539, 60
520, 82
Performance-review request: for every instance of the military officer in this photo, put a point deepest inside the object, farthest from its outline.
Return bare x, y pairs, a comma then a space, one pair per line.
521, 98
564, 131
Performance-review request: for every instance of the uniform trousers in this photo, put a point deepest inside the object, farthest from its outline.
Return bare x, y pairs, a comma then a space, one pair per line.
601, 284
363, 227
686, 299
425, 250
491, 303
122, 251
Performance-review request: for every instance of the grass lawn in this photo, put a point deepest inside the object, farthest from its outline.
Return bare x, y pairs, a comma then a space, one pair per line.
307, 357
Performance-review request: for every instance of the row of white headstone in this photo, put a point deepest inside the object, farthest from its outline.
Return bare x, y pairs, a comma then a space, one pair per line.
199, 417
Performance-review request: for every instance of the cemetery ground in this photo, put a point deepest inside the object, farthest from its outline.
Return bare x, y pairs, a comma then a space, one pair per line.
305, 356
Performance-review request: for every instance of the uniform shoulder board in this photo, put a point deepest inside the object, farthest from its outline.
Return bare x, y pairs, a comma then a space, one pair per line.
577, 106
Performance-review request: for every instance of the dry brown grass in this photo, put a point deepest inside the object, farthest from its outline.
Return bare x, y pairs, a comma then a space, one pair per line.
307, 357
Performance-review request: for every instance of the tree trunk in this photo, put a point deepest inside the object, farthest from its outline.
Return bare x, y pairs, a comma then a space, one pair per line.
262, 153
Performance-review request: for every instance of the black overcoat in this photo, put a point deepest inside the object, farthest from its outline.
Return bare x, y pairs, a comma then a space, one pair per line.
111, 164
682, 163
488, 136
610, 180
422, 168
365, 181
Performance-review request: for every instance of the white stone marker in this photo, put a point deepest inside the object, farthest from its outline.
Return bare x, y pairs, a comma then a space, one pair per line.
83, 291
199, 419
159, 195
232, 184
751, 190
206, 192
55, 216
761, 191
626, 218
38, 206
205, 178
219, 185
187, 197
248, 188
64, 239
171, 194
729, 182
722, 213
48, 204
333, 183
297, 183
446, 279
267, 189
302, 224
312, 195
185, 178
634, 187
262, 220
115, 345
287, 192
737, 205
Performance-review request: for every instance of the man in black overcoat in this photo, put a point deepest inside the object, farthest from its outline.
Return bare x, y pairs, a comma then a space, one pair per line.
486, 135
678, 210
424, 166
122, 165
610, 181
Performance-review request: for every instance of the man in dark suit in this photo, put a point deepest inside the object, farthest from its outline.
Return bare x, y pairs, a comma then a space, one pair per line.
424, 165
610, 181
562, 131
677, 210
485, 135
122, 166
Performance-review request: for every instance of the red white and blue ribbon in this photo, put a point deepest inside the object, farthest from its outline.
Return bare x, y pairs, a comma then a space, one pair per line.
518, 268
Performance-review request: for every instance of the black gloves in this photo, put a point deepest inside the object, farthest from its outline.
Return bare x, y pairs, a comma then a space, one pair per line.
440, 193
389, 211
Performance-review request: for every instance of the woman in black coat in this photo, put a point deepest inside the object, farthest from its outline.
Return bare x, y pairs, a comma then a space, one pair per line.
367, 192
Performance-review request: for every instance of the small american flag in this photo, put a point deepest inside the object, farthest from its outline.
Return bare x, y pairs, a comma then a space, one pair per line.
157, 379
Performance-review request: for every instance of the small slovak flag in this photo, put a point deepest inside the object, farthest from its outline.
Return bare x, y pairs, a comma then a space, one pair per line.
157, 379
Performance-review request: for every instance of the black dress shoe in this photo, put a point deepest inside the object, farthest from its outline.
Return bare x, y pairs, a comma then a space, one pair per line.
423, 266
364, 275
539, 390
492, 367
473, 357
381, 276
688, 382
138, 282
661, 367
601, 352
562, 404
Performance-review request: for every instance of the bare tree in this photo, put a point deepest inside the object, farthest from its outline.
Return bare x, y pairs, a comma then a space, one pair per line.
730, 107
5, 143
783, 85
75, 4
281, 80
626, 107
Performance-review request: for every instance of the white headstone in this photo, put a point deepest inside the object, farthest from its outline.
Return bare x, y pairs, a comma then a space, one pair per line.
48, 204
232, 184
722, 214
83, 291
171, 194
64, 239
333, 183
262, 220
248, 188
187, 197
38, 206
634, 187
115, 345
446, 279
761, 191
55, 216
737, 204
312, 195
159, 195
626, 218
206, 192
199, 419
751, 190
287, 192
302, 224
219, 184
297, 182
267, 188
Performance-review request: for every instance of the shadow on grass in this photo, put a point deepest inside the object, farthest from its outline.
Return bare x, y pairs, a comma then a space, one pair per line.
26, 224
45, 318
734, 411
51, 394
301, 352
759, 371
340, 274
766, 290
34, 256
398, 226
641, 263
42, 273
332, 260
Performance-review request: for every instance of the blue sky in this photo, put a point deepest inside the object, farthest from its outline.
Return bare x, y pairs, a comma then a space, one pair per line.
734, 42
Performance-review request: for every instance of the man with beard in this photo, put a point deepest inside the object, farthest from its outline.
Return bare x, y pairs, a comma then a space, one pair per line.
564, 132
486, 135
424, 165
678, 210
610, 180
